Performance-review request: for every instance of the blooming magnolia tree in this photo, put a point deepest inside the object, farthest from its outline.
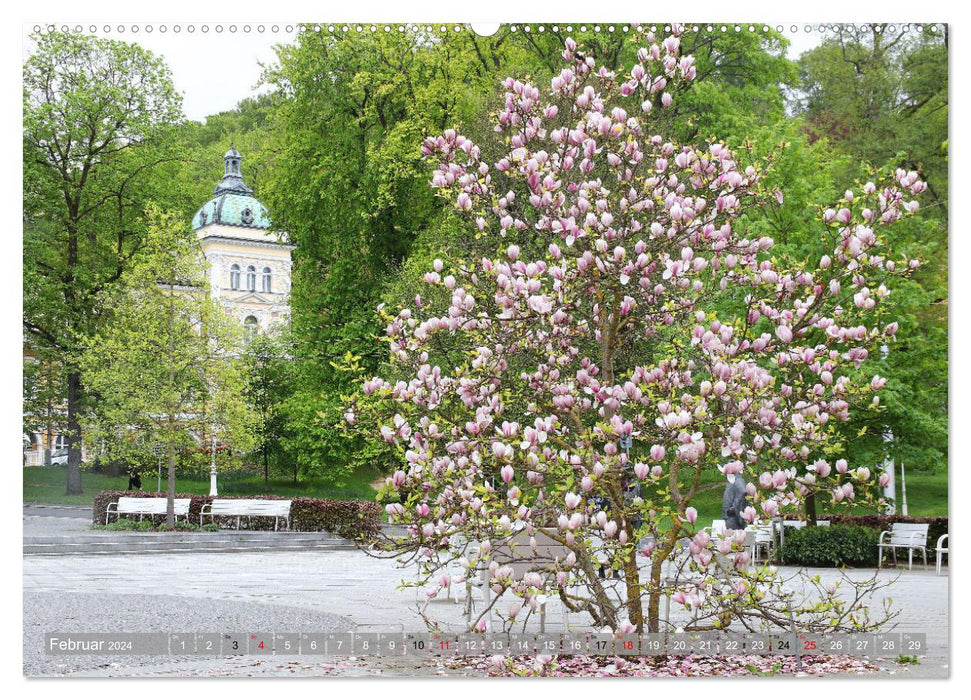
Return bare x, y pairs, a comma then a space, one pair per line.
569, 391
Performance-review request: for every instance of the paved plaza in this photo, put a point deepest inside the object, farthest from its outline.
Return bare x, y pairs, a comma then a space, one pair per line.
300, 591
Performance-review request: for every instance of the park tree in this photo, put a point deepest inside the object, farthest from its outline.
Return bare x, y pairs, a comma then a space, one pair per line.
880, 95
626, 336
96, 113
349, 187
167, 365
267, 357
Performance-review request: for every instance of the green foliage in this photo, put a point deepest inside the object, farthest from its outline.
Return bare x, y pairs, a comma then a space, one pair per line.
936, 526
166, 368
96, 147
836, 545
267, 359
350, 188
126, 524
882, 100
738, 87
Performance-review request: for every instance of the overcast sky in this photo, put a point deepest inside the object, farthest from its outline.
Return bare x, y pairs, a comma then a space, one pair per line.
215, 70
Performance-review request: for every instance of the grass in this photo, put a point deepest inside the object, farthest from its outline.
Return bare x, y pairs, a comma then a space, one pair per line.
926, 496
926, 492
47, 485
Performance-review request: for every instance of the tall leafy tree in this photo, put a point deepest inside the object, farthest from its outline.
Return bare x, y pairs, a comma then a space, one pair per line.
881, 98
350, 189
96, 113
167, 364
267, 358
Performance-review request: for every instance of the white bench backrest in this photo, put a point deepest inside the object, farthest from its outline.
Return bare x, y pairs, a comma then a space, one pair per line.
151, 506
908, 533
518, 554
250, 506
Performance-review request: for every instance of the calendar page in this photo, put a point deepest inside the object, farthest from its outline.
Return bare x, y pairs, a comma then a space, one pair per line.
448, 349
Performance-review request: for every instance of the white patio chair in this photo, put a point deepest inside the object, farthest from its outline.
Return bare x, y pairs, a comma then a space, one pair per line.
942, 549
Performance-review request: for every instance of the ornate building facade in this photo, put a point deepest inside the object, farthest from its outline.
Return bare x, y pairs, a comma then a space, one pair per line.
249, 263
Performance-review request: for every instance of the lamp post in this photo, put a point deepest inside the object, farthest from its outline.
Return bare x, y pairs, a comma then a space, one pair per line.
890, 490
213, 490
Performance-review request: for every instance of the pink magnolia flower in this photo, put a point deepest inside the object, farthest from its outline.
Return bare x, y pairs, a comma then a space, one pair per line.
507, 473
691, 514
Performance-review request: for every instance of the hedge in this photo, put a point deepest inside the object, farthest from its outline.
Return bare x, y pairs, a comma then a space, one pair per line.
851, 539
937, 524
837, 545
356, 520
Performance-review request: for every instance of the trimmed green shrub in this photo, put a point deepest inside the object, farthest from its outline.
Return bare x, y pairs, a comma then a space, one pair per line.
355, 520
937, 525
837, 545
125, 524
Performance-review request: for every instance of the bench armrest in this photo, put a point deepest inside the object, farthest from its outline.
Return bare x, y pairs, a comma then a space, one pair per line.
885, 532
941, 541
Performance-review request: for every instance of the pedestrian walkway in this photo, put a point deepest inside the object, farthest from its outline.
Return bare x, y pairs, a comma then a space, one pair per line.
362, 590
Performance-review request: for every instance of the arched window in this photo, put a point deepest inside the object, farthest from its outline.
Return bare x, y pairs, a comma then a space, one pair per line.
251, 278
267, 280
251, 326
234, 276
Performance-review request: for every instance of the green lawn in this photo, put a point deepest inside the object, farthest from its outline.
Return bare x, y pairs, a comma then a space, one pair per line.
926, 496
926, 492
47, 484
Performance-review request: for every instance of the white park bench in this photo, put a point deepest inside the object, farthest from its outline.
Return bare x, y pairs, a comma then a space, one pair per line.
909, 536
517, 554
247, 508
141, 507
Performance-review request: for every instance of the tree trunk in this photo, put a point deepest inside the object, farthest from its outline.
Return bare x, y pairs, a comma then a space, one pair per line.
73, 434
811, 510
266, 470
170, 505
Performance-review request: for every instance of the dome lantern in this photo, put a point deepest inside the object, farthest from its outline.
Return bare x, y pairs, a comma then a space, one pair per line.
233, 203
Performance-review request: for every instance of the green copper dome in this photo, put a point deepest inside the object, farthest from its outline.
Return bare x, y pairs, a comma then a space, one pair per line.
234, 203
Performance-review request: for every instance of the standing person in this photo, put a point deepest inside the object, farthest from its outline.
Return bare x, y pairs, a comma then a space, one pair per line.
734, 502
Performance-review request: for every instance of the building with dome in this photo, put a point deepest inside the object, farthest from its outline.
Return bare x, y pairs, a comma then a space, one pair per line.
249, 268
249, 262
